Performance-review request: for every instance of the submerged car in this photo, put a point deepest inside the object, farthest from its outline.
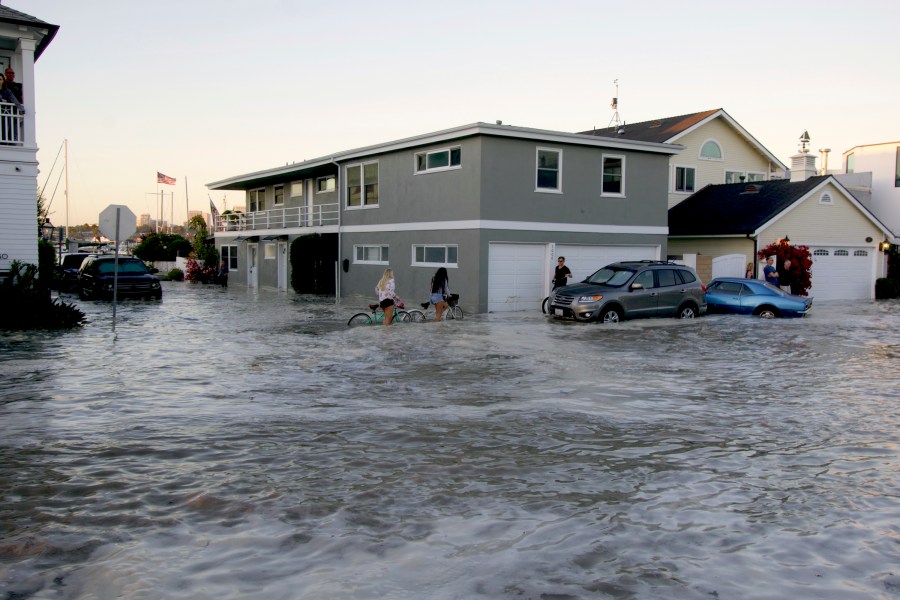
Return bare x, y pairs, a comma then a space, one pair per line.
630, 290
135, 280
754, 297
68, 270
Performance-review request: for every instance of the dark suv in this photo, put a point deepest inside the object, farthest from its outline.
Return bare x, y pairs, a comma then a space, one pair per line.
68, 271
630, 290
95, 279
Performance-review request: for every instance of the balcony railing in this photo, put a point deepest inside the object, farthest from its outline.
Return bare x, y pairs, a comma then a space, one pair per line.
280, 218
12, 125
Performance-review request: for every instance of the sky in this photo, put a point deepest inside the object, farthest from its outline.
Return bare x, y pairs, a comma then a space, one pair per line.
204, 90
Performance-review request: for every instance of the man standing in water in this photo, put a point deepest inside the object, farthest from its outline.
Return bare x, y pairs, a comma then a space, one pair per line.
561, 273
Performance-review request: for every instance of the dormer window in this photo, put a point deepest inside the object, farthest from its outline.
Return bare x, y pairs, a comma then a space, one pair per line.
711, 150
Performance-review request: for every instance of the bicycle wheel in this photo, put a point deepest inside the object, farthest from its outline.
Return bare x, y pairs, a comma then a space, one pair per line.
416, 316
359, 319
455, 312
545, 305
402, 316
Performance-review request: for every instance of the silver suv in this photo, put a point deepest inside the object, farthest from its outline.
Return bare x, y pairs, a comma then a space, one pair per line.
631, 290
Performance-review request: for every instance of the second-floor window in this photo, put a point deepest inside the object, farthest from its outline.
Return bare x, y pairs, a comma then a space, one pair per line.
256, 200
711, 150
850, 163
897, 169
613, 176
684, 180
438, 160
279, 195
362, 184
548, 176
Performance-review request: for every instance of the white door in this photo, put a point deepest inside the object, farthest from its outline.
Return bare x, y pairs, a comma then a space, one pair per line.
585, 260
842, 273
516, 276
730, 265
282, 265
252, 264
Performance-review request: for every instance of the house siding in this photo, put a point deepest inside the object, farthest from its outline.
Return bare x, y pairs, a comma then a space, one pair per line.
18, 227
713, 247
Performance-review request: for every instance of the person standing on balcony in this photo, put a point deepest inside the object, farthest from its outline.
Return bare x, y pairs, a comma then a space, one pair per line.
14, 86
9, 124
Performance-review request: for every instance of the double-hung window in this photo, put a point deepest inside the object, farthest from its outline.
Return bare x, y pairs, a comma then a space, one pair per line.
279, 195
370, 254
325, 184
256, 200
684, 180
435, 255
613, 175
362, 185
548, 174
438, 160
230, 256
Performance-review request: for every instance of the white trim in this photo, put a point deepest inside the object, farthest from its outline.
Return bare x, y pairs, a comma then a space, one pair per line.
718, 144
446, 247
371, 262
505, 226
362, 184
559, 168
449, 167
603, 158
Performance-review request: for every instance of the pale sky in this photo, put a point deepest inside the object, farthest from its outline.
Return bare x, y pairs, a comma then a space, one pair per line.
203, 90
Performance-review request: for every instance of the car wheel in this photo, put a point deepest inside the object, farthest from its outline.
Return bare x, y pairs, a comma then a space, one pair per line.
766, 312
688, 311
611, 315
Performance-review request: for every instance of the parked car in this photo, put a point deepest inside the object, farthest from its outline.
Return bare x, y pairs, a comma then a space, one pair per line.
68, 270
95, 279
754, 297
632, 289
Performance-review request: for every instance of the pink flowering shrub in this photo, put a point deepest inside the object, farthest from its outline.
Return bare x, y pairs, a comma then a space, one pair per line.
199, 273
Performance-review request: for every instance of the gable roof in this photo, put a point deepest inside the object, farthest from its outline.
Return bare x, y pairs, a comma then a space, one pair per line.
15, 17
670, 129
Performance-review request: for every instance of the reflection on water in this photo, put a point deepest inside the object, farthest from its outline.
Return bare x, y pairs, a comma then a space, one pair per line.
240, 444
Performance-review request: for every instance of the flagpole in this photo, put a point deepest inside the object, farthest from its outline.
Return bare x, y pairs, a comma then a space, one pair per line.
187, 208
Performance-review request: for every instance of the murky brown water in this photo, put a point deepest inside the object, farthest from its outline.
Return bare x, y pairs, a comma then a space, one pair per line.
232, 444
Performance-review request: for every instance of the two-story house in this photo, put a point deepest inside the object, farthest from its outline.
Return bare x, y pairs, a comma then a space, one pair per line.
494, 204
22, 41
717, 149
877, 171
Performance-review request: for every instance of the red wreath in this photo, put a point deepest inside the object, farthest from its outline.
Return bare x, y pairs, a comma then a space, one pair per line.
801, 262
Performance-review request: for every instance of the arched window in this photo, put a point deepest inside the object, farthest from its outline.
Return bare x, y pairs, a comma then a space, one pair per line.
711, 150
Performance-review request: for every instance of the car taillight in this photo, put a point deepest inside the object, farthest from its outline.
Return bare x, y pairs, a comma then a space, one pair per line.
703, 287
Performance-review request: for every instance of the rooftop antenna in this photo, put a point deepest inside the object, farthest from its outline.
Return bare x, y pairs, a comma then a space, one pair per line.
619, 126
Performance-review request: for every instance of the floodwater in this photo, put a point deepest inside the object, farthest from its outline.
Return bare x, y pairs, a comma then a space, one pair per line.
239, 444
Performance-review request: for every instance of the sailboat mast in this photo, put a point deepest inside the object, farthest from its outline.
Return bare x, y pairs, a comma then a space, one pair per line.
66, 164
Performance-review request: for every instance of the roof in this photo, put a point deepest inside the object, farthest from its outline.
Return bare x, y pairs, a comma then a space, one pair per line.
315, 166
670, 129
15, 17
731, 209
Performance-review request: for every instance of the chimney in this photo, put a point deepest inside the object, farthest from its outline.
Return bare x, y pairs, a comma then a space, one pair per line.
803, 166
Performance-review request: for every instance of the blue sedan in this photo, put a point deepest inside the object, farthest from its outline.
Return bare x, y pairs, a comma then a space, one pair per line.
753, 297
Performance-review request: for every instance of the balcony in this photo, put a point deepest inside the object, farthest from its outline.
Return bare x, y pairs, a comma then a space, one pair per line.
294, 217
12, 125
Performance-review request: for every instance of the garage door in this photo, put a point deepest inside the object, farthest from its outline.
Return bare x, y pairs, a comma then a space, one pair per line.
584, 260
842, 273
516, 277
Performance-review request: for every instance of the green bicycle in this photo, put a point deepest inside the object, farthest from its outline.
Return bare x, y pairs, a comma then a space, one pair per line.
376, 316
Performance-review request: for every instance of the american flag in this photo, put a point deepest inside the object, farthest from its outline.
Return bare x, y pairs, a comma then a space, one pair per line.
214, 212
160, 178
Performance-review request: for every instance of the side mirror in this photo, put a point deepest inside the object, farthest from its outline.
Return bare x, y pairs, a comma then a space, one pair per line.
637, 286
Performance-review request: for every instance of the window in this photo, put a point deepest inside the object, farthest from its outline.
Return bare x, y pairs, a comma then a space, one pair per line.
297, 189
751, 176
851, 162
666, 277
711, 150
860, 253
841, 253
362, 184
820, 252
370, 255
686, 276
734, 176
549, 163
613, 176
229, 255
645, 279
269, 251
325, 184
684, 179
279, 195
438, 160
897, 168
256, 200
826, 199
435, 256
728, 287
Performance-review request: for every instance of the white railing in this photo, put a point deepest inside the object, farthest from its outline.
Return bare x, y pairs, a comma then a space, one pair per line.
12, 125
280, 218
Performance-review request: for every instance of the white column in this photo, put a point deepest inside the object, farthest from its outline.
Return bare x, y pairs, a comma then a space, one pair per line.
25, 75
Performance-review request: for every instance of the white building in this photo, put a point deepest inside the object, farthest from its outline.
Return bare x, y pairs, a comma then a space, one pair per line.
882, 161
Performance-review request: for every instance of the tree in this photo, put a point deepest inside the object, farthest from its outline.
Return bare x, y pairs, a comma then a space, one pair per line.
801, 262
43, 211
162, 246
204, 246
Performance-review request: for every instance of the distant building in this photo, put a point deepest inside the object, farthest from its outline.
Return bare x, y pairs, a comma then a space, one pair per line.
873, 175
144, 220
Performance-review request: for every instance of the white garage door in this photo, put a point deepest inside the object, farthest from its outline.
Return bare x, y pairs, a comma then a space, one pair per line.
842, 273
584, 260
516, 276
730, 265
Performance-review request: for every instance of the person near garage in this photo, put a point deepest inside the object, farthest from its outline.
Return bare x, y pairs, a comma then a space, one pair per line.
561, 273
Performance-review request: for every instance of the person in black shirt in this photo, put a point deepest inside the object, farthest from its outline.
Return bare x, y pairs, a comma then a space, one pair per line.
561, 274
786, 278
14, 86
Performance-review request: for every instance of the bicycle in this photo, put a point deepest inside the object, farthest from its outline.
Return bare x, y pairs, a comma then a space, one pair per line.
453, 312
376, 316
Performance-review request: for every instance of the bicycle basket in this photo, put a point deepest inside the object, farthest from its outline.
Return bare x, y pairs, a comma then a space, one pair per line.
453, 299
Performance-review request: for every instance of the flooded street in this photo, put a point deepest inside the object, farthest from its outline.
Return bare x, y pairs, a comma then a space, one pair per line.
241, 444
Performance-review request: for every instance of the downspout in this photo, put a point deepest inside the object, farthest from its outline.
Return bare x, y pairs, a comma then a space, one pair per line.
337, 183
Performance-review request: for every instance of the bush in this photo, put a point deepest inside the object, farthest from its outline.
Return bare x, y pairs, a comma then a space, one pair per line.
175, 274
801, 262
199, 273
886, 288
26, 304
162, 246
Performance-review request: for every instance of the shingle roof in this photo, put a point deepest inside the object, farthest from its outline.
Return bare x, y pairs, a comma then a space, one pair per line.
732, 209
657, 130
9, 15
